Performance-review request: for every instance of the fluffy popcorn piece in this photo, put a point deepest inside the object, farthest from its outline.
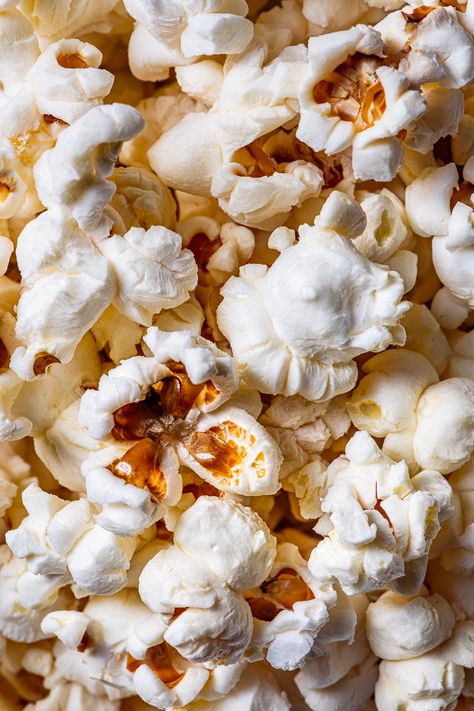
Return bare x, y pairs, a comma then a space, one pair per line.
312, 355
379, 522
141, 200
386, 399
221, 548
66, 80
67, 284
61, 544
67, 18
17, 622
255, 99
444, 437
69, 626
387, 226
378, 102
424, 335
74, 173
131, 381
433, 187
216, 625
232, 451
342, 675
243, 549
116, 335
265, 202
289, 610
126, 509
219, 250
19, 47
441, 51
433, 678
462, 354
400, 627
175, 33
455, 539
256, 690
151, 270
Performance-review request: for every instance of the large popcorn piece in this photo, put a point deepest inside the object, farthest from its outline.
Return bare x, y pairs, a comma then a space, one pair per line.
400, 627
345, 306
66, 19
452, 228
426, 422
176, 32
436, 677
341, 674
132, 658
177, 399
220, 549
62, 544
350, 96
80, 270
379, 523
290, 609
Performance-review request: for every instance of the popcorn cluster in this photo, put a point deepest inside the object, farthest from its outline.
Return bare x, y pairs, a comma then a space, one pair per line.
237, 355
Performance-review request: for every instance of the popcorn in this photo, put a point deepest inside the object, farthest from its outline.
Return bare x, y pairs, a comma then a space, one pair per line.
437, 676
210, 305
313, 355
115, 478
62, 544
177, 393
66, 80
221, 548
175, 35
289, 610
349, 97
379, 523
219, 250
417, 625
342, 674
73, 174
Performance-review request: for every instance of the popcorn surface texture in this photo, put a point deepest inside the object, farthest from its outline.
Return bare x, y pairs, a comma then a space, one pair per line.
237, 355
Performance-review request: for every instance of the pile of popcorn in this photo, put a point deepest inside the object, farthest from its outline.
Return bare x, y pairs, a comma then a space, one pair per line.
237, 355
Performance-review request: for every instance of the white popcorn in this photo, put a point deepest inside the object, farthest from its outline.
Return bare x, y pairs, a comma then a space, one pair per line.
400, 627
377, 102
151, 270
59, 305
379, 522
289, 610
462, 354
387, 226
18, 622
61, 544
19, 47
130, 381
219, 250
255, 99
385, 401
66, 80
265, 202
436, 677
116, 335
433, 187
221, 548
312, 355
424, 335
141, 200
126, 509
342, 674
176, 32
444, 437
66, 19
74, 173
233, 452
